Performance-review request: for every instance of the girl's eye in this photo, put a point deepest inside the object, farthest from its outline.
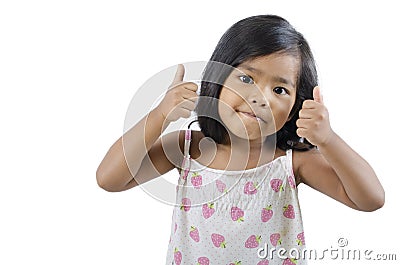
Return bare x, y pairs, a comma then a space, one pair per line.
246, 79
281, 91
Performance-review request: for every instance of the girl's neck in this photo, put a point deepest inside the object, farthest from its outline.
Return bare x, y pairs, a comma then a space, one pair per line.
255, 152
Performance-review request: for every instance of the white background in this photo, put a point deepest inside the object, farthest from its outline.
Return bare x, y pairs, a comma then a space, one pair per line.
68, 70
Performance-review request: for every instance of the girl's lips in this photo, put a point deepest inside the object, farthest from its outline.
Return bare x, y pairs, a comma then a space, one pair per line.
251, 115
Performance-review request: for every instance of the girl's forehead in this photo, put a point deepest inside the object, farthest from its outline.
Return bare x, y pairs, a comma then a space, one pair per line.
274, 61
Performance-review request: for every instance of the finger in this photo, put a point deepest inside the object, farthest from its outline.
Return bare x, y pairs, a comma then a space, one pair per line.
306, 113
301, 123
180, 73
191, 86
185, 113
301, 132
191, 98
187, 104
190, 95
309, 104
317, 95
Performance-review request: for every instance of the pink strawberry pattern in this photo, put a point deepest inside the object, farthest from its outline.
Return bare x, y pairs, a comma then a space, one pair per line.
253, 241
186, 204
203, 261
208, 210
266, 213
177, 256
221, 186
288, 211
250, 188
276, 185
300, 239
237, 214
236, 222
275, 239
218, 240
194, 233
290, 261
197, 180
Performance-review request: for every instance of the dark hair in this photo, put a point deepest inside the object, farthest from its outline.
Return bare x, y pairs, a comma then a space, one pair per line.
249, 38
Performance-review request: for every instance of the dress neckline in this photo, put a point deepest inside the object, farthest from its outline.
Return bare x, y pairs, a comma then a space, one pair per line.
231, 172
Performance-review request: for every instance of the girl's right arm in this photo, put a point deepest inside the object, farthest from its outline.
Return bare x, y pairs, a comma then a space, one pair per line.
141, 154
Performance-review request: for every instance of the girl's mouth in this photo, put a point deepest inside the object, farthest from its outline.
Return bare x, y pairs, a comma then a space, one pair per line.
252, 116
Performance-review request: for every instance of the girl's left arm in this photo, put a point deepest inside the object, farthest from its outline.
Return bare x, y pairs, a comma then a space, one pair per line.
335, 168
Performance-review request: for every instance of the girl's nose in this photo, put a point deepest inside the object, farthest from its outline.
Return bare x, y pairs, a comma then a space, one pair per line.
260, 102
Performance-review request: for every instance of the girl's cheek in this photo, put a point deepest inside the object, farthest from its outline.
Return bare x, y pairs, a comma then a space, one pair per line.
280, 114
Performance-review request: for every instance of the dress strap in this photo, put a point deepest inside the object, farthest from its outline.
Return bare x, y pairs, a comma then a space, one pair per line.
188, 136
289, 161
185, 167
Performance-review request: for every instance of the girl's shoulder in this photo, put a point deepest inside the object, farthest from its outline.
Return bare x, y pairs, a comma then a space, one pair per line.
301, 158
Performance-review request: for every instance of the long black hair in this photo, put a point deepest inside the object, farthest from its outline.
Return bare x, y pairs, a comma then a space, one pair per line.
247, 39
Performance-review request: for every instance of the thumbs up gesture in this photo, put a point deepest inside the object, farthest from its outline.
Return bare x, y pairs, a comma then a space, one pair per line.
180, 98
313, 123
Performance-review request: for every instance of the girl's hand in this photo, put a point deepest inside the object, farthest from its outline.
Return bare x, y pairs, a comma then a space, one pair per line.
180, 98
313, 123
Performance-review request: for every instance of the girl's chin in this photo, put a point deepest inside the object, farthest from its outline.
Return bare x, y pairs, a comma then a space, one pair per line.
250, 135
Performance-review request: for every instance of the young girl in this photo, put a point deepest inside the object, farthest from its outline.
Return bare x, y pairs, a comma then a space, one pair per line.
264, 130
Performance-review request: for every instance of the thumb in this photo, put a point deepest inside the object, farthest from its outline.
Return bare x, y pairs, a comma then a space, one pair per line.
317, 95
180, 72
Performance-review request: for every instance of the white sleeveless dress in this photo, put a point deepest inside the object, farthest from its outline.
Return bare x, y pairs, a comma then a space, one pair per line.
236, 217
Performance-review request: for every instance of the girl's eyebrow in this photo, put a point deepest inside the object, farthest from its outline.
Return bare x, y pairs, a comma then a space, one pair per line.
274, 78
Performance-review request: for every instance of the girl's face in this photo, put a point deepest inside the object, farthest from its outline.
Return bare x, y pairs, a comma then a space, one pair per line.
257, 97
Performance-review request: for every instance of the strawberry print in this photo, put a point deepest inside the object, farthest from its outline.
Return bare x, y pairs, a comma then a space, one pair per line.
288, 211
194, 233
221, 187
252, 241
300, 239
203, 261
250, 188
289, 261
186, 203
292, 183
196, 180
266, 213
205, 230
177, 256
237, 214
208, 210
276, 185
218, 240
275, 239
